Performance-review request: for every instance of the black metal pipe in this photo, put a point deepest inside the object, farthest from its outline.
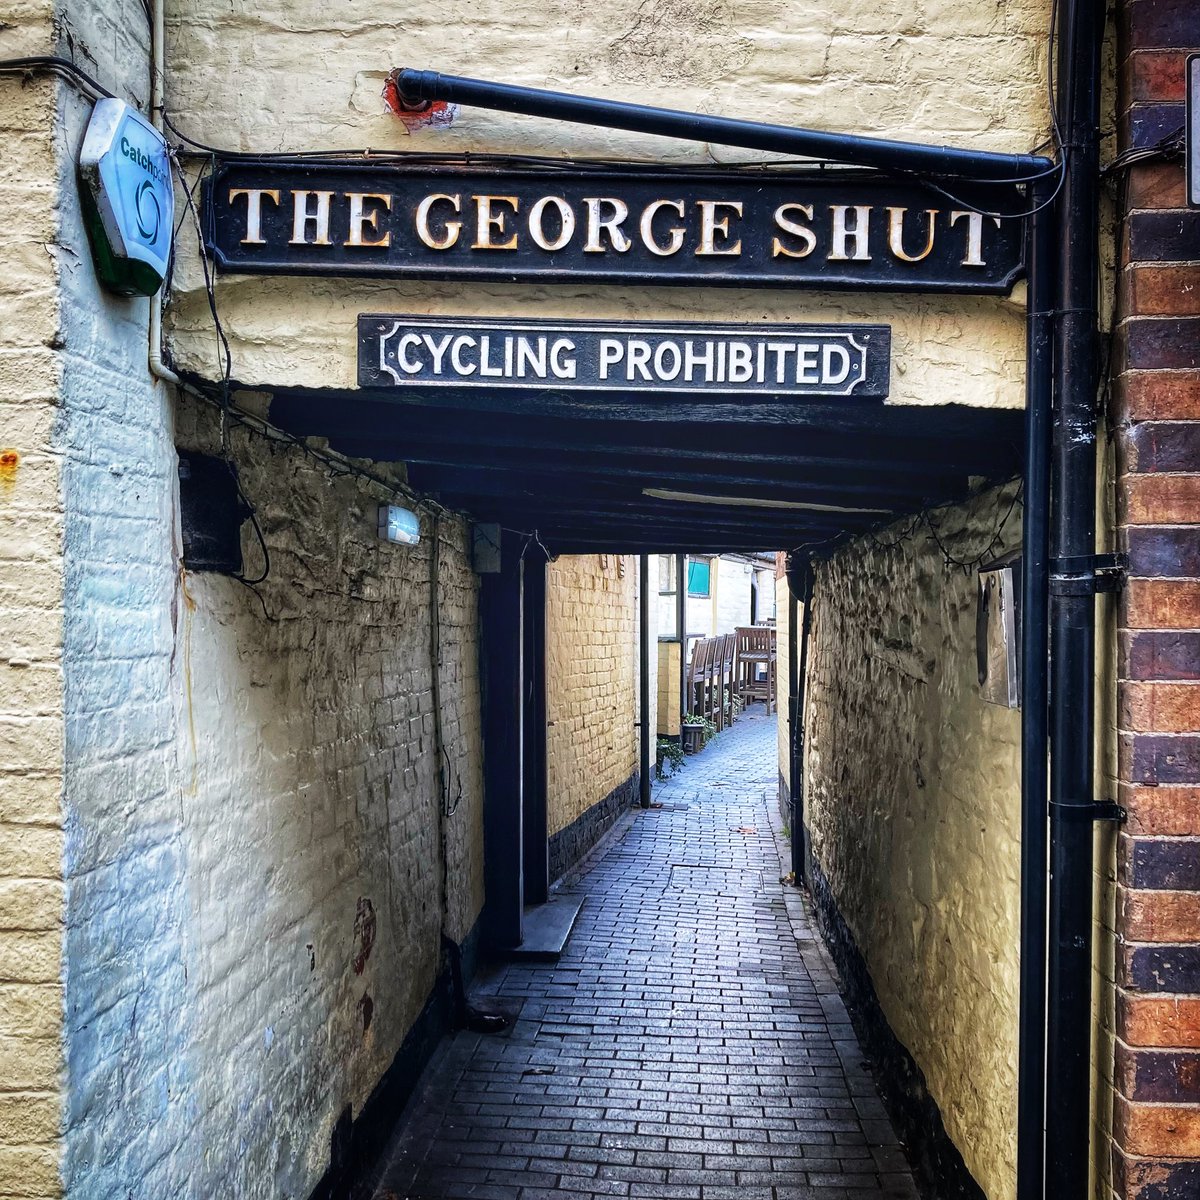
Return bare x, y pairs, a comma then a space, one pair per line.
1072, 612
681, 630
801, 696
1035, 550
801, 579
793, 660
644, 675
420, 86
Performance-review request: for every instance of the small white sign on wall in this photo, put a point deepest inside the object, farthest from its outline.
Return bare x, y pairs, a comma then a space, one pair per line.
1192, 131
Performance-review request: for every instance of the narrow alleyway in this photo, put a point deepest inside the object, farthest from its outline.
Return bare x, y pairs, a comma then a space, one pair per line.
689, 1044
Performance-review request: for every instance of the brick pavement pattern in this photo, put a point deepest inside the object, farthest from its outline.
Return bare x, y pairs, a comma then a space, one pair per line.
689, 1045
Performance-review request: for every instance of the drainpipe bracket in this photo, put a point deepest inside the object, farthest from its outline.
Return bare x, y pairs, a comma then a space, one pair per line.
1089, 810
1088, 574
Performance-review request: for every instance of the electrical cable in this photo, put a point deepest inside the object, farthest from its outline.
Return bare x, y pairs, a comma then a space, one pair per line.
1169, 148
56, 65
231, 414
924, 520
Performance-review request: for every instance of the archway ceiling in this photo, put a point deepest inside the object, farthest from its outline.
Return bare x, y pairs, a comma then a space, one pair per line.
625, 475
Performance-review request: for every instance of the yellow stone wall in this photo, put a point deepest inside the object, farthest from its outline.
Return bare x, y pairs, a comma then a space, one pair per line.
668, 689
591, 681
31, 706
913, 802
307, 74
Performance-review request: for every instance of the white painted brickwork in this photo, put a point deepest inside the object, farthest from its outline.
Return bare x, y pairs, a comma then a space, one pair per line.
258, 843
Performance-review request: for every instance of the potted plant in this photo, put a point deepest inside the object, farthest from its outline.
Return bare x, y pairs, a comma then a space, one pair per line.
698, 731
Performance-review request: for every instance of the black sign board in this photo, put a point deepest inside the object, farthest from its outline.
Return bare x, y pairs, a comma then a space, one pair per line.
818, 229
749, 360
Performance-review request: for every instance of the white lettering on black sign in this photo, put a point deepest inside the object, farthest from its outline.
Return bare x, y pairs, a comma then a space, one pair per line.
826, 229
771, 360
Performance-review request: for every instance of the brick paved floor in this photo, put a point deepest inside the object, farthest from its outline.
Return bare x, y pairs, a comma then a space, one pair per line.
690, 1044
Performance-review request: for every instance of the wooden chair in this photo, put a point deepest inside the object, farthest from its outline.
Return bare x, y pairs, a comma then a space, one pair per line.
697, 677
727, 684
756, 664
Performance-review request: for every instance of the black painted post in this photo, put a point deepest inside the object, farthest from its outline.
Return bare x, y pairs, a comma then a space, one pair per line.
500, 655
644, 677
681, 630
533, 652
796, 813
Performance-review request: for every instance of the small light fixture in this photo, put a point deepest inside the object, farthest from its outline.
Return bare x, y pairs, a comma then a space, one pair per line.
399, 525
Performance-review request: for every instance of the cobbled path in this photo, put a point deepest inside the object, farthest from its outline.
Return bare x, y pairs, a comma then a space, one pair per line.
690, 1044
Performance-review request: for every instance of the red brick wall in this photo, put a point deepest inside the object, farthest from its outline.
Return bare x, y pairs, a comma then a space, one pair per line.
1156, 1119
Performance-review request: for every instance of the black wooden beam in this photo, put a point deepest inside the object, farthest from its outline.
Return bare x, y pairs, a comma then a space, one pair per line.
949, 439
861, 486
452, 427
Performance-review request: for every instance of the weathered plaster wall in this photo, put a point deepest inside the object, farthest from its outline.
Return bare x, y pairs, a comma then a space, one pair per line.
591, 681
913, 805
318, 856
731, 585
31, 726
306, 75
258, 874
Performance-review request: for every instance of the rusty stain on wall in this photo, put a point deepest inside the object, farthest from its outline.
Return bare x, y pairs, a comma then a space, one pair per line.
9, 461
364, 933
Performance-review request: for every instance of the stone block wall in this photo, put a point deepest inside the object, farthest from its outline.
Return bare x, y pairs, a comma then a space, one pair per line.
1156, 1108
668, 690
591, 692
31, 725
913, 814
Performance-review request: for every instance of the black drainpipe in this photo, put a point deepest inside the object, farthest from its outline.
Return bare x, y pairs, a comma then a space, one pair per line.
1035, 742
647, 748
1071, 223
800, 577
1073, 611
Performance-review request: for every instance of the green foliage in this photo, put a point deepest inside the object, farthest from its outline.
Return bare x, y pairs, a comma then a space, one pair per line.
710, 730
669, 751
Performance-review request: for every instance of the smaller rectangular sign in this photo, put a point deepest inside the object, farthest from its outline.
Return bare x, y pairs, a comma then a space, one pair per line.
626, 356
1191, 135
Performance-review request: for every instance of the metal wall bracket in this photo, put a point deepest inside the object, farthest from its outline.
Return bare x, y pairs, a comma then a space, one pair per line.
1088, 574
1090, 810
